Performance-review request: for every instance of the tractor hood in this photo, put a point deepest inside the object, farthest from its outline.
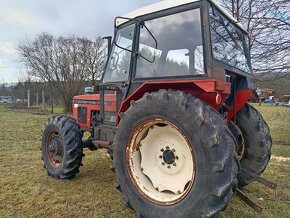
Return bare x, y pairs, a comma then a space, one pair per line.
93, 99
84, 106
87, 99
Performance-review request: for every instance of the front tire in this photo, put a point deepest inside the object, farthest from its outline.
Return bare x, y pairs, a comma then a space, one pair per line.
62, 149
258, 143
174, 157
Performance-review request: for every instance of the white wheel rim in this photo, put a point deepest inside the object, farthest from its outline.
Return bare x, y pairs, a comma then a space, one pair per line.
161, 162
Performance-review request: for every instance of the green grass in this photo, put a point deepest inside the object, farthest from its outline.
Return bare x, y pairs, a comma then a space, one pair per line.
278, 119
27, 191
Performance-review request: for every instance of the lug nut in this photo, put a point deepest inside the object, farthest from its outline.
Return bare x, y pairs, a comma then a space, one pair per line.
167, 147
168, 167
160, 156
162, 150
163, 163
173, 150
174, 164
178, 192
176, 157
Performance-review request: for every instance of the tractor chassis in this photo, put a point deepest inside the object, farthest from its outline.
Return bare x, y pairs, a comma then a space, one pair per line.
96, 144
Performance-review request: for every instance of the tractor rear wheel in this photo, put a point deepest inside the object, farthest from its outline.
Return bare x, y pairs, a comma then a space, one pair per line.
174, 157
62, 149
258, 143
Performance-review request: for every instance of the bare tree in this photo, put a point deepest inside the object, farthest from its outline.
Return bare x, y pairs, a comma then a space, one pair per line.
65, 63
37, 57
96, 58
268, 24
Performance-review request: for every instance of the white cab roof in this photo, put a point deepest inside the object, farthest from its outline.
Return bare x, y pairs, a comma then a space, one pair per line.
167, 4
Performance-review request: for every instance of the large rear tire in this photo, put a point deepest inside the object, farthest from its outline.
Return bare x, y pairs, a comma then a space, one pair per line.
258, 143
174, 157
62, 149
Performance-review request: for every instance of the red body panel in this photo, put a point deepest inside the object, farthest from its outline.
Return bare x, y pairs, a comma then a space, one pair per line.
242, 98
92, 103
203, 89
206, 90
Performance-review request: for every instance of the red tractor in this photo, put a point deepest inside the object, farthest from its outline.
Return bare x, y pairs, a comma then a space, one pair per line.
172, 111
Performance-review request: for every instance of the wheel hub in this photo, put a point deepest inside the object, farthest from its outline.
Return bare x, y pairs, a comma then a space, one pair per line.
54, 149
162, 163
237, 133
168, 156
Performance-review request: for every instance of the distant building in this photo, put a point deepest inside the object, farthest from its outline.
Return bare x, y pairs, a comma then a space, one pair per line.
264, 93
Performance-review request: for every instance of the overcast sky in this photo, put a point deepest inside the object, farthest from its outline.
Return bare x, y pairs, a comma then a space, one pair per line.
21, 19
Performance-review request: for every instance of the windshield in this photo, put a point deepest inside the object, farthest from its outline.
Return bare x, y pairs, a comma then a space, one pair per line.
179, 49
120, 59
229, 43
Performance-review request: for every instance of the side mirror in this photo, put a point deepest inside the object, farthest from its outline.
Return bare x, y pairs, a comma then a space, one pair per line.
124, 35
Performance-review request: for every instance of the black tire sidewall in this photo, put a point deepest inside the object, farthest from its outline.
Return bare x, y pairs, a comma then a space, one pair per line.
258, 143
51, 127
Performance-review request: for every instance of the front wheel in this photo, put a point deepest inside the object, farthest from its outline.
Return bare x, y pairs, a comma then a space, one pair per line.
174, 157
62, 149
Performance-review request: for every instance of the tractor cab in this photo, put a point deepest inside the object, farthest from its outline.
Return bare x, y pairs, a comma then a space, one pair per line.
194, 39
189, 45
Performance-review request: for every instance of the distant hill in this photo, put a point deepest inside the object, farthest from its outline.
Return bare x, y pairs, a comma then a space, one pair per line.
281, 85
270, 75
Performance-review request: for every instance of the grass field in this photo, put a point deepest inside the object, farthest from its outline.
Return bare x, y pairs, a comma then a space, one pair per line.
27, 191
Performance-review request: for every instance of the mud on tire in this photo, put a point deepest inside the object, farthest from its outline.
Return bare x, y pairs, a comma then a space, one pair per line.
62, 150
258, 143
205, 134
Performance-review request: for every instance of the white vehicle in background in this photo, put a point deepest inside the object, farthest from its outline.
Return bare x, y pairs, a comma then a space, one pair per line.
6, 100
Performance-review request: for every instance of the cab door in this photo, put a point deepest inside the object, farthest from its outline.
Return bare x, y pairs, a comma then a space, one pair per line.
116, 79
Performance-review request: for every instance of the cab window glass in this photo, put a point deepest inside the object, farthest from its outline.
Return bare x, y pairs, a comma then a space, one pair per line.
120, 59
179, 49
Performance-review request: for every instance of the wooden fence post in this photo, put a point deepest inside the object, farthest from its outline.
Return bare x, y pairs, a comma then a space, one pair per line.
37, 103
28, 98
43, 100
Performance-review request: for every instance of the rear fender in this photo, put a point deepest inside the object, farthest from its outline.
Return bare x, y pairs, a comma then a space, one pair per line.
206, 90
